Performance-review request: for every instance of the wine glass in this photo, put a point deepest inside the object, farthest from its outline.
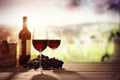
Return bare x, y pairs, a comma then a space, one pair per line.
54, 38
40, 42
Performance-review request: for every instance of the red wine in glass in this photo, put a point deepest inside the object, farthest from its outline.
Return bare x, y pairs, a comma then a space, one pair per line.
40, 45
53, 44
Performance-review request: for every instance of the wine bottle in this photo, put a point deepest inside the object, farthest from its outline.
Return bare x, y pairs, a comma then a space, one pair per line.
24, 43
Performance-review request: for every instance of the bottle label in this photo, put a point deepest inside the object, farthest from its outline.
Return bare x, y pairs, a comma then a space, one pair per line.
20, 47
24, 47
28, 47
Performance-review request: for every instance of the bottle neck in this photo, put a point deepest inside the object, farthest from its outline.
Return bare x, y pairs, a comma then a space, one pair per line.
24, 23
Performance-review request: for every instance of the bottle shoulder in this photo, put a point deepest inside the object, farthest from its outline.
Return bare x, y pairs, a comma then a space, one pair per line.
24, 34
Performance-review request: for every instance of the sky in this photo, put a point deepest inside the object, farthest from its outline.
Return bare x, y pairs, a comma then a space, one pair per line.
54, 12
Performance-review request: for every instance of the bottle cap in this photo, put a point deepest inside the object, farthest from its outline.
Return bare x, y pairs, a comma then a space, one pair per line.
24, 17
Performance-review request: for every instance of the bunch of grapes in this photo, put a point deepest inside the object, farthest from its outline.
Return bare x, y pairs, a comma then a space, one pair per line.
45, 62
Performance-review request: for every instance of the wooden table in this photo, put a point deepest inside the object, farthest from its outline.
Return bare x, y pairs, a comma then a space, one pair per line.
71, 71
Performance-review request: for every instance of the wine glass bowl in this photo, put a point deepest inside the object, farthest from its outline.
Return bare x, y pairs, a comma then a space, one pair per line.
54, 38
40, 39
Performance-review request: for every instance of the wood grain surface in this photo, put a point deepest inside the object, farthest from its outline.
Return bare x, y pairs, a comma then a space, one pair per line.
70, 71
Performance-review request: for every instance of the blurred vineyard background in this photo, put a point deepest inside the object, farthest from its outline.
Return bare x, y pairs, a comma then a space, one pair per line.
79, 43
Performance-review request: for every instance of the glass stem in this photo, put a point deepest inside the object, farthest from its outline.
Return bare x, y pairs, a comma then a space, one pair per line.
53, 55
41, 70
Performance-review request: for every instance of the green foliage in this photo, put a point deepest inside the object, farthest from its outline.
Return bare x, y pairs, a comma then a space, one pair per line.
112, 33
